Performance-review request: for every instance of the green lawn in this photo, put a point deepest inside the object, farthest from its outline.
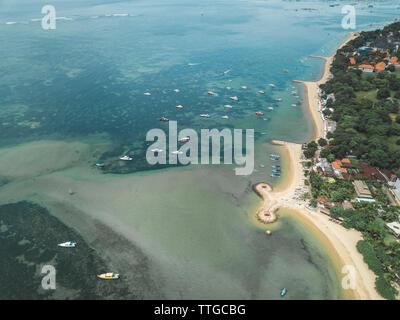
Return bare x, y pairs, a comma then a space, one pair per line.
371, 95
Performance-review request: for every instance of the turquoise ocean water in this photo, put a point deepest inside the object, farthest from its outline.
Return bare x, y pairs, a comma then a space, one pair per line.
73, 96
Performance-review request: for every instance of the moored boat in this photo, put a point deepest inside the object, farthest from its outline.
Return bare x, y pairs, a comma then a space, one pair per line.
283, 292
108, 276
125, 158
67, 244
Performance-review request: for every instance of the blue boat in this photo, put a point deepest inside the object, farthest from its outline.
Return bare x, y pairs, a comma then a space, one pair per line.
276, 167
275, 155
100, 164
274, 159
275, 175
283, 292
276, 171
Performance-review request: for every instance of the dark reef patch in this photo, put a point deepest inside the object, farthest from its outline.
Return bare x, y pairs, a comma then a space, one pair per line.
29, 235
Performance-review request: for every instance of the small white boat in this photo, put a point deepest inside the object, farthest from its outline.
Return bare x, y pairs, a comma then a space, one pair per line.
177, 90
205, 115
278, 99
193, 64
68, 244
108, 276
285, 70
210, 93
184, 139
293, 105
244, 87
225, 117
234, 98
179, 107
270, 108
261, 92
228, 106
156, 150
227, 71
125, 158
176, 152
147, 94
228, 88
272, 85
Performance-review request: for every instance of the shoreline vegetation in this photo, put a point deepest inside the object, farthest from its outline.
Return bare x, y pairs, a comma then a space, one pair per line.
340, 242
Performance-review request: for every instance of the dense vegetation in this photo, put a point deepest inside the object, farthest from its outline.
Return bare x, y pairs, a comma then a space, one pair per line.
379, 248
334, 190
365, 106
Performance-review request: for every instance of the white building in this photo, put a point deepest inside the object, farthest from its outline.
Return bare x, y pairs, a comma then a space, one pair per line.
395, 227
396, 190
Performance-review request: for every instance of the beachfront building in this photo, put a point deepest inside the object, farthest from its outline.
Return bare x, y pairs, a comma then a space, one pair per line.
380, 66
395, 227
331, 126
396, 190
347, 205
324, 167
392, 180
337, 167
362, 190
366, 68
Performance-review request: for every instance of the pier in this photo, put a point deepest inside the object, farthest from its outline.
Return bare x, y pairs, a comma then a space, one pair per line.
266, 214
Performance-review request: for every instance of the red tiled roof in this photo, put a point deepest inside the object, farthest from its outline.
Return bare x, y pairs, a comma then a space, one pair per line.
380, 66
365, 66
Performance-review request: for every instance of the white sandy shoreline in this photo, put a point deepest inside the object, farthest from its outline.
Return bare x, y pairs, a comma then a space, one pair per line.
340, 242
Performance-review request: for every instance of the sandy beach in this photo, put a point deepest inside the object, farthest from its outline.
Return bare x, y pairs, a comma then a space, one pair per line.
340, 242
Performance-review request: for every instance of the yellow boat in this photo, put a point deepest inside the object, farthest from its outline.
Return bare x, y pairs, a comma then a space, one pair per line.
109, 276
